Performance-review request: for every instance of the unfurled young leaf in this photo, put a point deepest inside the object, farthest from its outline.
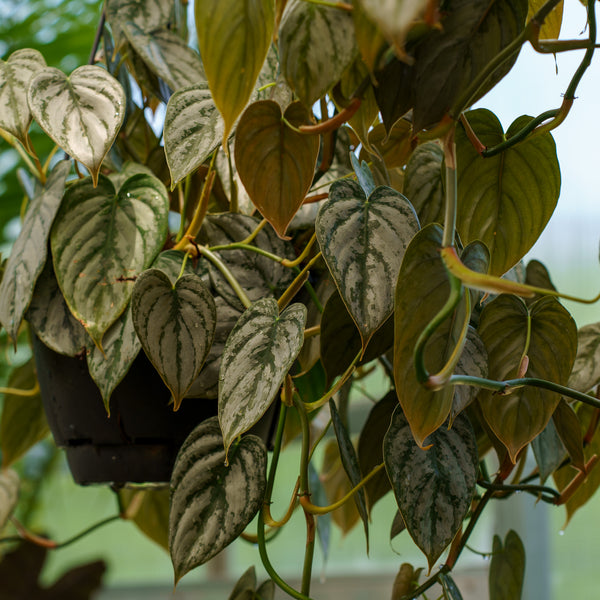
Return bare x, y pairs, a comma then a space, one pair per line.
15, 75
434, 487
175, 323
363, 241
102, 240
233, 37
30, 250
275, 163
259, 352
9, 494
507, 569
316, 44
211, 504
82, 113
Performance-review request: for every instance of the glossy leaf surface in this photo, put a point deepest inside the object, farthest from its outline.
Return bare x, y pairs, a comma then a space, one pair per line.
82, 113
175, 324
259, 352
363, 241
275, 163
30, 250
211, 504
507, 569
434, 487
102, 240
518, 417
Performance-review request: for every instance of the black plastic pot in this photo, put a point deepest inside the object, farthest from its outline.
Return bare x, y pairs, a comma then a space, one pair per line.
140, 440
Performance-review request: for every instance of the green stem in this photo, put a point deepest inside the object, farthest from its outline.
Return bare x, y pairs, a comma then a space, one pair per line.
552, 494
250, 248
587, 57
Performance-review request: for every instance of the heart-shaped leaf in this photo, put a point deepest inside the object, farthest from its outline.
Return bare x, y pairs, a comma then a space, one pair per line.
102, 240
50, 318
175, 324
363, 242
233, 37
29, 252
350, 464
245, 586
586, 368
547, 334
275, 163
166, 55
497, 195
259, 352
316, 44
9, 494
15, 75
211, 504
193, 130
507, 569
82, 113
434, 487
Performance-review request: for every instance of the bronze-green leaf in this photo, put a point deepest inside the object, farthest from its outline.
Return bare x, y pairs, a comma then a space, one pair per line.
507, 569
9, 494
506, 200
363, 241
102, 240
434, 487
175, 324
546, 333
211, 504
233, 37
275, 163
82, 113
151, 514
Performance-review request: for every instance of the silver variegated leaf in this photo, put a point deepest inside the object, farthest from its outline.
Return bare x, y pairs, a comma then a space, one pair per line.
128, 170
9, 494
102, 240
148, 15
316, 45
50, 318
193, 129
82, 113
29, 252
15, 75
259, 352
211, 504
434, 487
121, 346
166, 55
175, 323
363, 243
585, 374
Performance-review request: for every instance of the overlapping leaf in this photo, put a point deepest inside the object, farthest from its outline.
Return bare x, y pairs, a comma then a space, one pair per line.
30, 250
507, 569
586, 368
259, 352
568, 428
275, 163
548, 450
175, 324
550, 29
148, 15
82, 113
15, 76
316, 44
505, 201
233, 37
102, 240
504, 327
434, 487
152, 514
363, 241
211, 504
9, 494
369, 39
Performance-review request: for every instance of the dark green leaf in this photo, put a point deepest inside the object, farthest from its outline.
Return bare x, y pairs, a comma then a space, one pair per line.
568, 428
548, 450
507, 568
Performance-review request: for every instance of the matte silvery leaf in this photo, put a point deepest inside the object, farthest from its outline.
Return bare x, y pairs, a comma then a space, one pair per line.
9, 494
82, 113
29, 252
128, 170
507, 569
170, 263
121, 346
193, 130
316, 44
434, 487
363, 243
259, 352
50, 318
166, 55
175, 323
586, 368
102, 240
233, 38
148, 15
211, 504
15, 76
